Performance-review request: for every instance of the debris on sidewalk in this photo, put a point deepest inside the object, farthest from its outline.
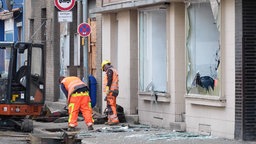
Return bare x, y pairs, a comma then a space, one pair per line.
126, 128
138, 126
99, 118
61, 115
120, 114
115, 129
177, 135
50, 114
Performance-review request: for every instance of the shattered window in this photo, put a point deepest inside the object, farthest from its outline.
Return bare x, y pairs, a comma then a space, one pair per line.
203, 47
152, 43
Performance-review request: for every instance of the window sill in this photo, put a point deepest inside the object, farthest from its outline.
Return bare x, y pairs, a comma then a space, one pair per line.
149, 96
206, 100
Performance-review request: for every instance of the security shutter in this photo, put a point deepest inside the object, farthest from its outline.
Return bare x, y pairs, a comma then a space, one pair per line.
249, 69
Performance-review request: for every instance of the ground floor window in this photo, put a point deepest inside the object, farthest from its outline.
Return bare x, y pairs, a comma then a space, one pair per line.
152, 50
203, 47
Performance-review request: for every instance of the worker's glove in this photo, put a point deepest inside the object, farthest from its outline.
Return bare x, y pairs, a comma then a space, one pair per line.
107, 90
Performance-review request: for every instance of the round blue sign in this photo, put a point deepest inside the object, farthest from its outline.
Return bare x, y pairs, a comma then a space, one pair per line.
84, 29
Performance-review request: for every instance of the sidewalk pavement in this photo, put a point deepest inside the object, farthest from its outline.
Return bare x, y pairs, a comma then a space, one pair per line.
123, 133
126, 133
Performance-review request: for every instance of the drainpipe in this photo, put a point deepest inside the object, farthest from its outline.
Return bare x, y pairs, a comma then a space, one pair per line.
23, 19
85, 46
78, 12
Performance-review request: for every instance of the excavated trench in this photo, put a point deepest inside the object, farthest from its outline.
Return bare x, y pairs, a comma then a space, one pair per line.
55, 135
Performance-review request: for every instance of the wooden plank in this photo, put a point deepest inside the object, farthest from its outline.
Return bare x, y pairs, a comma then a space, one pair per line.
92, 49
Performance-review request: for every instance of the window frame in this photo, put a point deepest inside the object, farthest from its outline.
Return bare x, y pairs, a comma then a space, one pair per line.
208, 100
143, 89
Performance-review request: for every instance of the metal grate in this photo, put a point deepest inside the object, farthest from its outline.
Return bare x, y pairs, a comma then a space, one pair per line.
249, 69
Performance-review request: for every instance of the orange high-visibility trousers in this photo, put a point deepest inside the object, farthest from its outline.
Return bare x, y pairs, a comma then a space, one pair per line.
80, 101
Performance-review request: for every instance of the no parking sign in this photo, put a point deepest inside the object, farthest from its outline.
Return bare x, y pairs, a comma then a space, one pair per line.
84, 29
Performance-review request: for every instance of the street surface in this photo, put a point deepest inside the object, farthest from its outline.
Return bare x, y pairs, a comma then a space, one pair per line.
124, 133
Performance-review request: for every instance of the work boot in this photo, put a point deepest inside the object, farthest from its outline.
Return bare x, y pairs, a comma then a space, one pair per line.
113, 122
90, 127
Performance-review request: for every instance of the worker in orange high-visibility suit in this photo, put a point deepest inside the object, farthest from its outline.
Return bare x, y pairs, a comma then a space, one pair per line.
78, 99
111, 89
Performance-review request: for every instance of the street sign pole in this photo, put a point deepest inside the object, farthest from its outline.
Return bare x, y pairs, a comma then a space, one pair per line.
64, 16
85, 46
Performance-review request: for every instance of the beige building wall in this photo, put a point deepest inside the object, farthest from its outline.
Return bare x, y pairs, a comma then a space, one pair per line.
134, 58
119, 46
208, 115
127, 60
177, 59
123, 56
107, 34
106, 44
211, 115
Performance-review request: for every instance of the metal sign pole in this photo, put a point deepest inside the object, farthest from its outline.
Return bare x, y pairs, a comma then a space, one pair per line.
85, 46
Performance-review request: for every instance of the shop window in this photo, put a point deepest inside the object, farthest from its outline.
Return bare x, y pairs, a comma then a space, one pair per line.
203, 47
152, 50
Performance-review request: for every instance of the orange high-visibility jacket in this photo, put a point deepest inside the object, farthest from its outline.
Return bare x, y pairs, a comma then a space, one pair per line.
71, 84
114, 85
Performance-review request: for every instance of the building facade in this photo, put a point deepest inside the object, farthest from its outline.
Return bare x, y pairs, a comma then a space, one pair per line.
11, 24
37, 21
63, 45
181, 63
186, 65
11, 20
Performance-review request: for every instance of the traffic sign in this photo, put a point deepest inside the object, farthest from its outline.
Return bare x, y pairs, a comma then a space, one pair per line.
65, 16
64, 5
84, 29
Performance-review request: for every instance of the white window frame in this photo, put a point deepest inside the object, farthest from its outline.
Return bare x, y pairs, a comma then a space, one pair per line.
203, 48
218, 100
149, 73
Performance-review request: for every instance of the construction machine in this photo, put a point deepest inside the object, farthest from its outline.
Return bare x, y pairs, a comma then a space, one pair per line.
22, 84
